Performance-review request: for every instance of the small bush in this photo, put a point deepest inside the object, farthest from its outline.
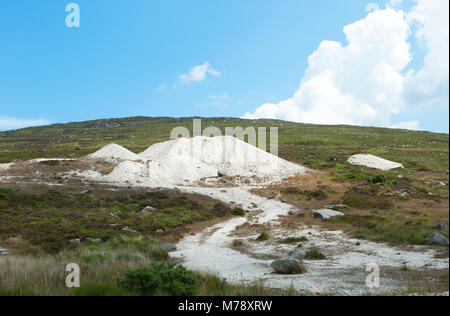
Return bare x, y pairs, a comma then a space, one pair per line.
160, 279
238, 212
264, 236
292, 240
377, 179
315, 254
5, 193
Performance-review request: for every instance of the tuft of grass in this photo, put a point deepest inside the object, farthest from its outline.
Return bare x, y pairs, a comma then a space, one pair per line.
263, 237
315, 254
238, 212
293, 240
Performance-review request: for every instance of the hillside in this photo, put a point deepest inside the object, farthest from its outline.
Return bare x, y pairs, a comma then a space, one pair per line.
55, 205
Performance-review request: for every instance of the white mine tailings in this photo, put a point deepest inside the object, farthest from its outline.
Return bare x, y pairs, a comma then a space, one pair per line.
188, 161
374, 162
114, 153
5, 166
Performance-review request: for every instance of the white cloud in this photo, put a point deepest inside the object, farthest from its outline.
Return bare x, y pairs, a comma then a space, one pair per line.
217, 101
412, 125
8, 123
372, 7
199, 73
365, 82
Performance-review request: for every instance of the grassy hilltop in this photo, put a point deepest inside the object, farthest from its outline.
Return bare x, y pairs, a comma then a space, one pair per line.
310, 145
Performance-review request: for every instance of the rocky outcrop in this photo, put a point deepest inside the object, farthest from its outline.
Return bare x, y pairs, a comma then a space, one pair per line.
149, 210
4, 252
168, 247
326, 213
288, 266
298, 254
438, 239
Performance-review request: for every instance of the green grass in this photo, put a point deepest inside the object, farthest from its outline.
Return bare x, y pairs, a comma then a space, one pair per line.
389, 227
51, 219
103, 265
293, 240
315, 254
263, 237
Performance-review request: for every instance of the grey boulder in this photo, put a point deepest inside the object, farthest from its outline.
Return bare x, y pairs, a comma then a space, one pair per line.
298, 254
287, 266
442, 226
149, 210
326, 213
169, 247
438, 239
4, 252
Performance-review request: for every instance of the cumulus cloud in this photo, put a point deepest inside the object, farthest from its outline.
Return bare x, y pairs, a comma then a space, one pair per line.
428, 87
366, 81
199, 73
8, 123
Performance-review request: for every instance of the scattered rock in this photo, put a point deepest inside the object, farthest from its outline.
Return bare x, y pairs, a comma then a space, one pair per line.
75, 241
287, 266
326, 213
337, 207
333, 159
220, 174
4, 252
88, 191
128, 230
290, 213
442, 226
149, 210
438, 239
298, 254
442, 184
169, 247
403, 193
159, 231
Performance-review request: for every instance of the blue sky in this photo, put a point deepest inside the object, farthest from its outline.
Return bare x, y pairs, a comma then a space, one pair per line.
206, 58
